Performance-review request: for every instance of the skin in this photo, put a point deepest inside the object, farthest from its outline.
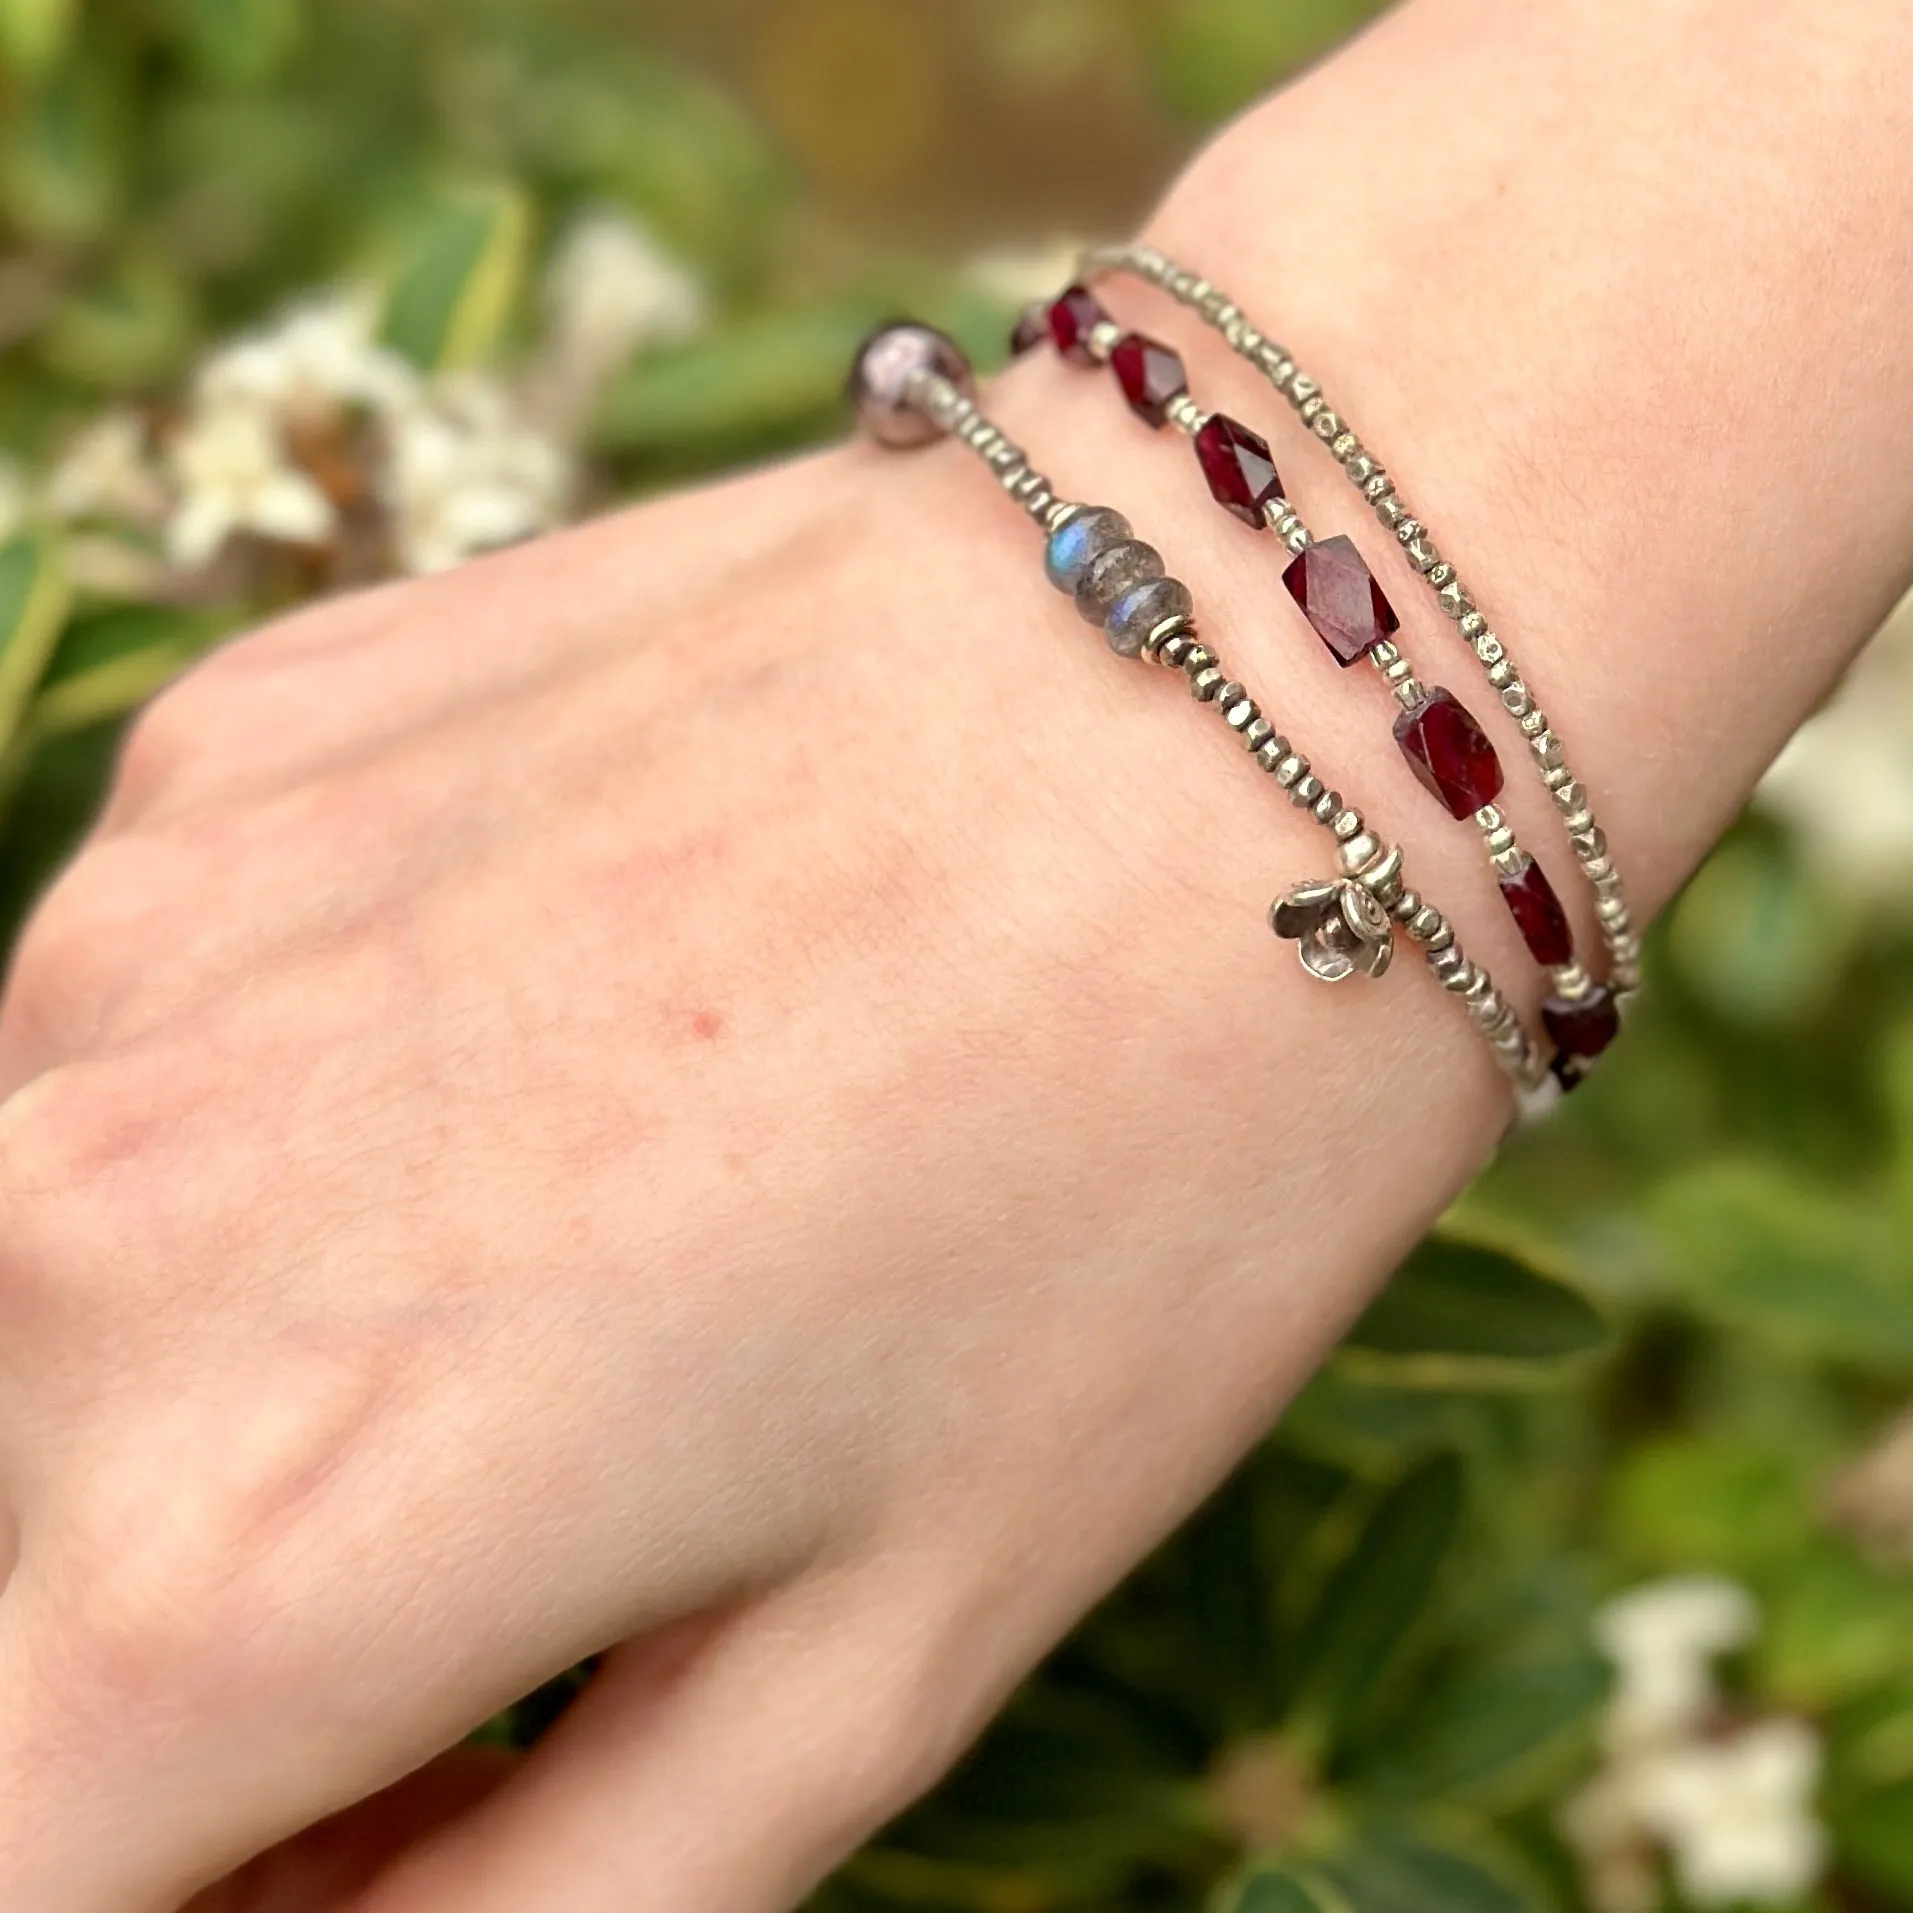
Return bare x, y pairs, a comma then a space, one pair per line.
716, 1088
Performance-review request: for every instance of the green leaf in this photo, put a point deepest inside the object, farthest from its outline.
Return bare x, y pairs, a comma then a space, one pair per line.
1215, 56
1267, 1888
239, 42
1874, 1834
1462, 1313
1689, 1502
35, 33
1495, 1731
127, 329
1391, 1872
34, 598
116, 659
1836, 1628
455, 294
1369, 1428
1374, 1597
1753, 1245
62, 155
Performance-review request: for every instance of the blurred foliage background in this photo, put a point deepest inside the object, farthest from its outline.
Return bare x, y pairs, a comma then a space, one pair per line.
1581, 1577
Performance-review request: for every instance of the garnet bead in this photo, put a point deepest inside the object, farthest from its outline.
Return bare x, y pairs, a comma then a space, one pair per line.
1072, 319
1032, 329
1340, 598
1449, 753
1151, 376
1537, 912
1240, 468
1582, 1027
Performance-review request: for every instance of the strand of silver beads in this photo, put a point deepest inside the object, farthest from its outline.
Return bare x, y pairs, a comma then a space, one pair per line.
911, 385
1329, 425
1338, 596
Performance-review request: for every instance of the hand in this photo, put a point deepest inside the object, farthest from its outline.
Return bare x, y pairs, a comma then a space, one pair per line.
716, 1089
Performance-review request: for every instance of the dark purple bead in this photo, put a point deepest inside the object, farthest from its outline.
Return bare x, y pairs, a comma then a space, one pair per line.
1072, 319
1340, 598
1151, 376
1449, 753
1582, 1027
1537, 912
1240, 468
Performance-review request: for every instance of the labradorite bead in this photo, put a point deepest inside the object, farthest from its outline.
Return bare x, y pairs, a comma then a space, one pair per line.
1085, 538
1113, 572
880, 381
1141, 609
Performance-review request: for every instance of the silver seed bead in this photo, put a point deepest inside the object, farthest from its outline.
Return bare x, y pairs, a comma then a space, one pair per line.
1291, 767
1327, 806
1347, 826
1515, 700
1198, 658
1112, 574
1390, 510
1205, 684
1143, 610
880, 382
1473, 624
1307, 790
1501, 674
1271, 752
1376, 486
1327, 425
1346, 447
1488, 648
1175, 650
1422, 554
1361, 467
1303, 388
1258, 734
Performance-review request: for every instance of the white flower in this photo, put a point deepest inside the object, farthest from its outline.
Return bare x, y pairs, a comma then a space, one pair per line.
1734, 1812
233, 476
466, 475
317, 357
612, 290
1737, 1814
1663, 1640
107, 471
1861, 744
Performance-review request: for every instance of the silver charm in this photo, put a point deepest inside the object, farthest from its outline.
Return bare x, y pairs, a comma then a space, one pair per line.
1340, 930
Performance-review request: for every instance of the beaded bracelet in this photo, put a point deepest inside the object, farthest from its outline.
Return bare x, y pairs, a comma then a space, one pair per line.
911, 385
1444, 746
1582, 1017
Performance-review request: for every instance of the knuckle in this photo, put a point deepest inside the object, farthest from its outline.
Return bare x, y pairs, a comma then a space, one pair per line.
85, 941
163, 741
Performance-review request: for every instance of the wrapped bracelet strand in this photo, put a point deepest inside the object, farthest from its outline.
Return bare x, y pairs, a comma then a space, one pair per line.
1581, 1021
1336, 591
911, 385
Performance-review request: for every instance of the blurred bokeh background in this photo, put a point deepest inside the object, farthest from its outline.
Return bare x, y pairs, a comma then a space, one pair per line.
1583, 1577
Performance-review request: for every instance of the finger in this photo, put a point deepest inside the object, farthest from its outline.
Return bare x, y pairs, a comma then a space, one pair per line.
729, 1780
321, 1870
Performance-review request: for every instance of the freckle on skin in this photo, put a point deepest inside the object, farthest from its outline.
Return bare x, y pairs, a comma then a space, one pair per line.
706, 1024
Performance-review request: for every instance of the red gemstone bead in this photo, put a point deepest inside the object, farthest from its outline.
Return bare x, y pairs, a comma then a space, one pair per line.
1072, 319
1537, 911
1582, 1027
1032, 329
1239, 466
1339, 596
1449, 752
1150, 375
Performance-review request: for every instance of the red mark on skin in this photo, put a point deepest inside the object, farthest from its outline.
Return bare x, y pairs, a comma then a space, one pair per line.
706, 1024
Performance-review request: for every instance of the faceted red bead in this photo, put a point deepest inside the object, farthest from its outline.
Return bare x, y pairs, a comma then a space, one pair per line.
1449, 752
1582, 1027
1339, 596
1072, 319
1239, 466
1537, 911
1032, 329
1150, 375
